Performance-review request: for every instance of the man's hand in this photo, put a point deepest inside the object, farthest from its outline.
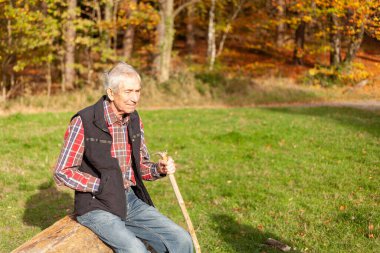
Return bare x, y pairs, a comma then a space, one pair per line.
166, 166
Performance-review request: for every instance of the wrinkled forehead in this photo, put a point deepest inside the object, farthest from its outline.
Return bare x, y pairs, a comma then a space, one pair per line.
128, 82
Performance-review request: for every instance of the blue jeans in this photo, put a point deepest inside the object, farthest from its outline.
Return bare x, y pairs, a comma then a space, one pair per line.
142, 222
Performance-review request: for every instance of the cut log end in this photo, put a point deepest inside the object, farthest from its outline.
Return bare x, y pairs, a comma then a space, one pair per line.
66, 235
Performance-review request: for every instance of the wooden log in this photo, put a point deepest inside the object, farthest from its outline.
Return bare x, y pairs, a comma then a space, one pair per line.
66, 235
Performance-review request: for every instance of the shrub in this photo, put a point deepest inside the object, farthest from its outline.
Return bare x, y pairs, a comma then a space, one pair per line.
327, 76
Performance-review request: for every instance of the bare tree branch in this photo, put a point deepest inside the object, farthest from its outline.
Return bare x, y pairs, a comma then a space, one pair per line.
183, 6
229, 26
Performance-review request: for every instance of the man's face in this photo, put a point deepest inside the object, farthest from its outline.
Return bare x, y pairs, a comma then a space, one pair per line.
125, 99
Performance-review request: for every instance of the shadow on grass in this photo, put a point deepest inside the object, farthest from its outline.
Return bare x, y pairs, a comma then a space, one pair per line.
359, 119
244, 238
47, 206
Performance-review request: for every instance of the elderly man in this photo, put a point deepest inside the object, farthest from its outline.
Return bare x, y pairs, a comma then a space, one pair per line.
104, 159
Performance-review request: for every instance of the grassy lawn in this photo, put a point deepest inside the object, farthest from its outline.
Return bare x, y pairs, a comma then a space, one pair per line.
308, 177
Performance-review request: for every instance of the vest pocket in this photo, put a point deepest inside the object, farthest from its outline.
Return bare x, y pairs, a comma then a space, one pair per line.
111, 191
102, 185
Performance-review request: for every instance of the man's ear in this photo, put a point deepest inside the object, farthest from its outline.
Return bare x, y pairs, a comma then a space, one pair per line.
110, 94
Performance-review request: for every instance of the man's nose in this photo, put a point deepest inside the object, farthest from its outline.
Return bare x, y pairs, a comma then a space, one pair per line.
134, 97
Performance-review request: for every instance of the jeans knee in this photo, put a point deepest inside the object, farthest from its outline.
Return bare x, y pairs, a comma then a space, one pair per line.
184, 242
130, 246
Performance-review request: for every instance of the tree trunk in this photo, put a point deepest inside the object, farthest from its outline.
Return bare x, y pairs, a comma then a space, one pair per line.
108, 20
165, 31
211, 47
4, 81
114, 25
48, 81
335, 41
7, 60
229, 26
280, 29
165, 40
190, 41
355, 44
70, 47
98, 16
299, 43
4, 92
62, 68
129, 36
90, 70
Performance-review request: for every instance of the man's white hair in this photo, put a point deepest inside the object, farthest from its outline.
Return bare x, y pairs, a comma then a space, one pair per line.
120, 72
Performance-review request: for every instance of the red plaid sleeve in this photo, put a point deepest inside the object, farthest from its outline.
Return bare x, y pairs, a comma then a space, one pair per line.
66, 170
148, 169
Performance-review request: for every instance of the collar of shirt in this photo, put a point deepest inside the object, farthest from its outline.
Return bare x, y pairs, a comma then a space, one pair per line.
111, 117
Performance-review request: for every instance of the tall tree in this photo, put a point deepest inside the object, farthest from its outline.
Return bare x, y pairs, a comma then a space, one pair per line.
27, 37
357, 19
69, 77
190, 40
211, 46
300, 14
236, 10
373, 25
299, 43
165, 34
335, 38
281, 25
129, 34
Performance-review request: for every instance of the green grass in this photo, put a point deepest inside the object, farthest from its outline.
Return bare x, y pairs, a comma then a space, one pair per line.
306, 176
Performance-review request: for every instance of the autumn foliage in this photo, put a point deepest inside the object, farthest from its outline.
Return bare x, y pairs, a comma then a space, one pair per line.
62, 45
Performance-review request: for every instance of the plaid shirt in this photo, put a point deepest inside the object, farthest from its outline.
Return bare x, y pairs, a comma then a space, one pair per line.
67, 167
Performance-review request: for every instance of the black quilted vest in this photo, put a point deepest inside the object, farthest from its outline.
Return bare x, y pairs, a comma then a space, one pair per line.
98, 162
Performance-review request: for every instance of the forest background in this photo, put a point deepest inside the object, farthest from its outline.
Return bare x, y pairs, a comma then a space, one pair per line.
209, 52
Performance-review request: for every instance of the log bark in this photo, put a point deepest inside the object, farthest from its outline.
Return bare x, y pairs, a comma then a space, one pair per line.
66, 235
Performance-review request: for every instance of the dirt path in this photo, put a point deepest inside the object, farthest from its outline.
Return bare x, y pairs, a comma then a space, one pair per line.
367, 105
372, 105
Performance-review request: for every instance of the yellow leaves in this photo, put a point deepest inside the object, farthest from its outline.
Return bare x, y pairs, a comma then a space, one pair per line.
313, 72
307, 18
321, 71
19, 66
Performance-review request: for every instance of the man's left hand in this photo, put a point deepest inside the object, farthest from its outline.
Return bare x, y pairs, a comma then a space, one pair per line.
166, 166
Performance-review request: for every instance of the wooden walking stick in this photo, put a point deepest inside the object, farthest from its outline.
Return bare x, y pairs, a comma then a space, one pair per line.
182, 205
